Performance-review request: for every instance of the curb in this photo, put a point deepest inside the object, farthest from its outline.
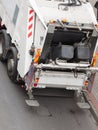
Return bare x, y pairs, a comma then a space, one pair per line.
94, 113
93, 104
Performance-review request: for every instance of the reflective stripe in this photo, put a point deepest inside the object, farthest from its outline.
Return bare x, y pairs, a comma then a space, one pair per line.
30, 34
30, 23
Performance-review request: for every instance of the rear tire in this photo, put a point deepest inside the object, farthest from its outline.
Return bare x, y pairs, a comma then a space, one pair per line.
1, 46
12, 64
5, 42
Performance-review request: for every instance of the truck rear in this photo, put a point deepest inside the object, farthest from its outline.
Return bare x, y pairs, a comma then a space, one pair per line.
49, 43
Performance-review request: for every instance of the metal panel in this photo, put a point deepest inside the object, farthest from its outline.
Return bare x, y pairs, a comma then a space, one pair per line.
9, 6
61, 79
79, 14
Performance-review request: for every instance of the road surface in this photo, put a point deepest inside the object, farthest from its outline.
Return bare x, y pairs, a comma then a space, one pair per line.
53, 114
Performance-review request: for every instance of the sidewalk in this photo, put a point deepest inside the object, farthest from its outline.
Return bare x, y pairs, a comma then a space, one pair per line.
93, 97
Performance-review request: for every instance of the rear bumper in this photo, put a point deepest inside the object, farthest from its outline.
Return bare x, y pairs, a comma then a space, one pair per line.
66, 80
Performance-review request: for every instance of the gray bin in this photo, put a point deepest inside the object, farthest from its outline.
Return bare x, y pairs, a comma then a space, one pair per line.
82, 53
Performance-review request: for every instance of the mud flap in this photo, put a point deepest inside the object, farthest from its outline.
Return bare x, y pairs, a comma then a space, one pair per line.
29, 76
91, 82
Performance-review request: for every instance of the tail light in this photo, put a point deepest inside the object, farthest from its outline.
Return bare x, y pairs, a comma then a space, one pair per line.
86, 83
52, 21
64, 21
36, 82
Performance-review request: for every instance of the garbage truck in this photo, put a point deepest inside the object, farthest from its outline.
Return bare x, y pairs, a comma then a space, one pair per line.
49, 44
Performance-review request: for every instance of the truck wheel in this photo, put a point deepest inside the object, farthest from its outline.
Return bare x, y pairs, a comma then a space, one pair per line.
1, 46
12, 64
5, 42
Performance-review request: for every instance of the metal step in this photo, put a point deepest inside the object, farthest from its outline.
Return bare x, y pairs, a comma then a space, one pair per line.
53, 92
83, 105
32, 103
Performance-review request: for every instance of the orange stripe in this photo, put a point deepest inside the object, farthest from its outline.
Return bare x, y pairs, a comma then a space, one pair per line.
31, 11
30, 26
31, 18
30, 34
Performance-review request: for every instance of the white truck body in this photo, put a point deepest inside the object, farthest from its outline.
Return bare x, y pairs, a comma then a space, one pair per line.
28, 23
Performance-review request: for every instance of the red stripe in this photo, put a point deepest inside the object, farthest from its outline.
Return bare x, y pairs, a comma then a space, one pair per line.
30, 34
31, 18
31, 11
30, 26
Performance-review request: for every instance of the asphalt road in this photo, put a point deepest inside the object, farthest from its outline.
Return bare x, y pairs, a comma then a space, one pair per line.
53, 114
